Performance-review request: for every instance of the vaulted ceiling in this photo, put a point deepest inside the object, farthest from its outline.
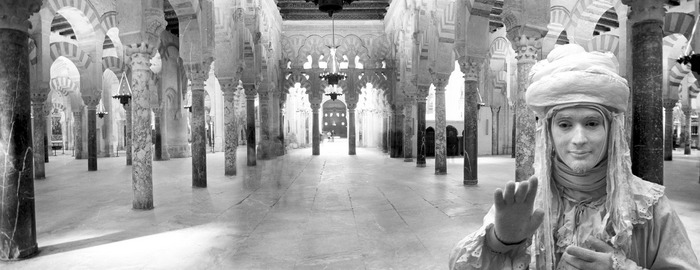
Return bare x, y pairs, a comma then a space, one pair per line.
358, 10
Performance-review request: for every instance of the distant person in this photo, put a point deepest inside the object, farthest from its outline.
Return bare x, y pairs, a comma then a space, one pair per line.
332, 135
329, 136
583, 208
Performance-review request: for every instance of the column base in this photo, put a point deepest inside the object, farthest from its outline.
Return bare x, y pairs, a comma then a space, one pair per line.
440, 173
408, 160
419, 165
24, 254
470, 182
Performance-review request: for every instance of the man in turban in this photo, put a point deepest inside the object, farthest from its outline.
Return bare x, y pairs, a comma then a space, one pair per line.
590, 211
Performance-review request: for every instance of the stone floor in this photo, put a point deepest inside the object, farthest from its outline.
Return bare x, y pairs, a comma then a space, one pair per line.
299, 211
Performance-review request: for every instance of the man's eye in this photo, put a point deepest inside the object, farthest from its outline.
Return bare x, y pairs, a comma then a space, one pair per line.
593, 124
564, 125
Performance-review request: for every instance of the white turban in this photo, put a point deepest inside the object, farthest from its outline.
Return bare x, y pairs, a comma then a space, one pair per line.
572, 75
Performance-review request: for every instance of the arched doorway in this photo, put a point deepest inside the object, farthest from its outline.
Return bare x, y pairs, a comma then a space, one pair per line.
430, 142
452, 143
335, 119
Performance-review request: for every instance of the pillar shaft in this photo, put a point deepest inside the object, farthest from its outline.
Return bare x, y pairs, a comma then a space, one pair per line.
17, 216
647, 125
524, 127
78, 126
316, 138
397, 134
142, 153
199, 143
420, 130
158, 153
408, 131
267, 140
385, 134
471, 141
668, 129
250, 94
230, 127
127, 146
39, 134
440, 128
92, 137
352, 144
513, 133
495, 128
685, 133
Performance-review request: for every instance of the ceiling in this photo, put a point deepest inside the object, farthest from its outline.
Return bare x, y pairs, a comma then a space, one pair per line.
358, 10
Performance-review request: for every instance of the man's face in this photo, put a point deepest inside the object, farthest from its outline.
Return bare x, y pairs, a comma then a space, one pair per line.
579, 137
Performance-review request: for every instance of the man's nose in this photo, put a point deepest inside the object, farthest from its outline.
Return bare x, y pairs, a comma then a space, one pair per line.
579, 135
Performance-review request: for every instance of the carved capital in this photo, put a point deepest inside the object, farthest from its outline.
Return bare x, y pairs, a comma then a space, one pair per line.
527, 43
471, 67
250, 91
440, 80
155, 24
91, 101
669, 103
645, 10
197, 73
352, 106
228, 86
315, 106
15, 14
139, 56
38, 97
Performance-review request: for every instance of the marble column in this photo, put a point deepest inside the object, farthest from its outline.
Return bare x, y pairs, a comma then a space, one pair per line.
39, 134
250, 93
142, 153
471, 68
17, 210
92, 132
266, 145
512, 135
78, 132
397, 134
528, 49
440, 81
229, 87
316, 138
158, 151
128, 114
669, 104
275, 130
408, 130
420, 129
352, 144
647, 18
198, 73
495, 128
385, 134
390, 131
685, 132
282, 101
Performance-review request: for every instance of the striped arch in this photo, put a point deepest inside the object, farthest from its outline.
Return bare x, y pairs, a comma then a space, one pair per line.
83, 6
112, 63
694, 89
674, 45
499, 47
680, 23
57, 107
109, 20
377, 79
559, 18
70, 51
294, 78
676, 74
604, 43
585, 16
63, 85
446, 24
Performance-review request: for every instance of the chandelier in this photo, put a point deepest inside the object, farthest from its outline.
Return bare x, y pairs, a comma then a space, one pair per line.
330, 6
101, 112
333, 76
124, 90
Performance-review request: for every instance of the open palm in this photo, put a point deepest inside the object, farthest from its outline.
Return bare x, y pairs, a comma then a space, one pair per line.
515, 218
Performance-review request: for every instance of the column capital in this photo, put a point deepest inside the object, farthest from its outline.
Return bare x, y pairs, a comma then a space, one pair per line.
440, 80
315, 106
495, 109
645, 10
527, 42
197, 73
156, 111
228, 86
669, 103
38, 98
250, 90
471, 67
139, 56
91, 101
352, 106
15, 14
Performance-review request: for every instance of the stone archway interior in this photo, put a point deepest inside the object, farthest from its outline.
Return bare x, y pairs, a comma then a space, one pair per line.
335, 118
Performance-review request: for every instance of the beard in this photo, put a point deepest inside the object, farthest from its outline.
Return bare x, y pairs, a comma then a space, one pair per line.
581, 166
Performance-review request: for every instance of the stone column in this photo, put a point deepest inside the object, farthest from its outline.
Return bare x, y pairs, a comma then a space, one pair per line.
282, 102
128, 115
198, 73
495, 128
669, 104
397, 134
91, 103
685, 132
316, 138
352, 144
250, 93
528, 47
408, 130
229, 87
647, 18
471, 66
385, 134
78, 126
275, 130
266, 145
142, 168
440, 81
158, 151
420, 127
512, 135
17, 217
39, 133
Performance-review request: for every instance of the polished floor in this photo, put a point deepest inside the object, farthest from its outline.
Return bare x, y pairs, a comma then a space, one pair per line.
298, 211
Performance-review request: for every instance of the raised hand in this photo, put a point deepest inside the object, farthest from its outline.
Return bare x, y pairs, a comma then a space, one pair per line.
515, 218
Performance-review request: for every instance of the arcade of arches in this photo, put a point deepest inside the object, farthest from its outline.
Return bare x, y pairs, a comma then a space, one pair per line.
117, 94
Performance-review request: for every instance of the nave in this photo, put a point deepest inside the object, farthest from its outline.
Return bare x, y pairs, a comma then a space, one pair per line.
298, 211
